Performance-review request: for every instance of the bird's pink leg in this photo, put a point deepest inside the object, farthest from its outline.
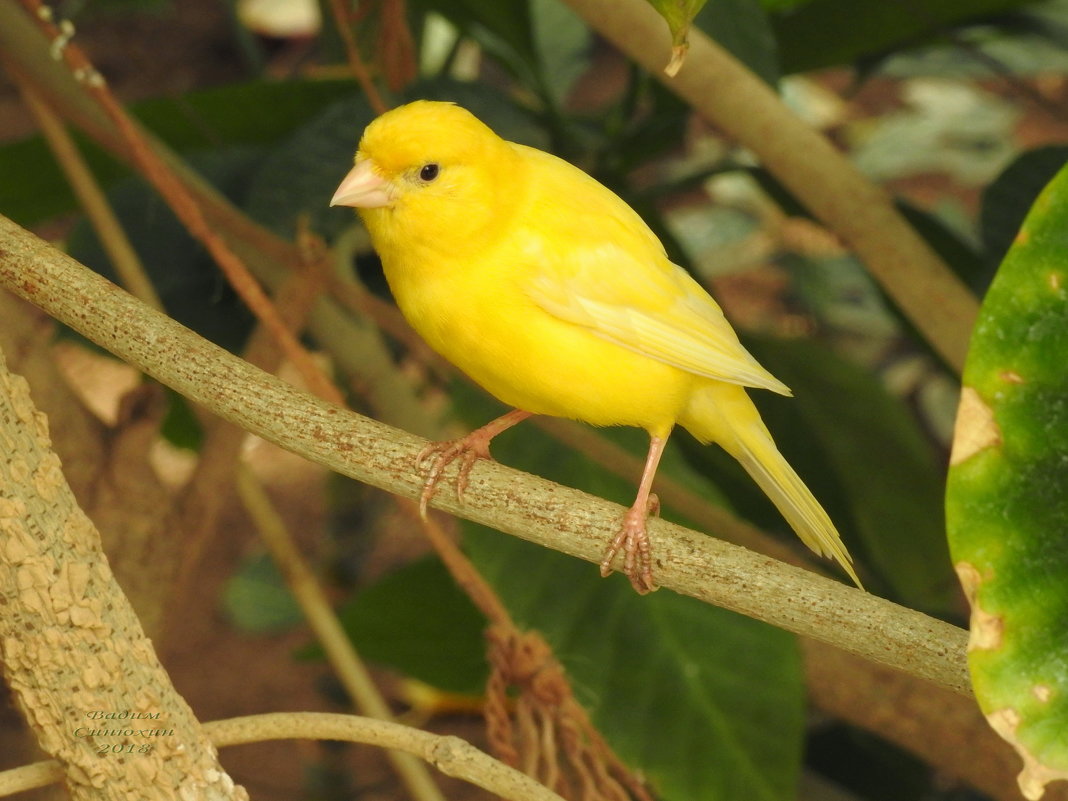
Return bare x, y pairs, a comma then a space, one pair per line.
467, 449
633, 537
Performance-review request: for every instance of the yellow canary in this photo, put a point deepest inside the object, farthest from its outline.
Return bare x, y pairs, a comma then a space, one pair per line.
552, 293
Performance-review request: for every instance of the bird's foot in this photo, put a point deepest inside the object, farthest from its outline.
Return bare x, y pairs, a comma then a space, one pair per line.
467, 449
633, 539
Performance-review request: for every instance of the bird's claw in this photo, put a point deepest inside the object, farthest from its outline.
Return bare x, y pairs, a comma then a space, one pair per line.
441, 454
634, 541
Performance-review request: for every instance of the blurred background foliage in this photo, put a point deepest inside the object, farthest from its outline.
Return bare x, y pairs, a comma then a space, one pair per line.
956, 106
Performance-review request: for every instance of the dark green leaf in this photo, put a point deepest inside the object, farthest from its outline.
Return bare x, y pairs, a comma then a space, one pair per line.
503, 29
193, 291
256, 598
180, 427
883, 485
299, 177
743, 27
416, 620
561, 44
34, 189
704, 702
825, 33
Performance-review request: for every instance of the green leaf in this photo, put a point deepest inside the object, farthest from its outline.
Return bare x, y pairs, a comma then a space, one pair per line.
502, 29
706, 703
679, 15
743, 27
561, 45
180, 427
34, 189
418, 621
825, 33
1006, 499
193, 290
257, 600
300, 176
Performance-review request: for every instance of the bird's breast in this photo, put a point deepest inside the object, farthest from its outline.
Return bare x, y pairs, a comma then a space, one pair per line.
482, 321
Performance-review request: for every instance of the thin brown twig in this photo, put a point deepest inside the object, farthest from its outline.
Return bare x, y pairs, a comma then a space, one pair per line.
93, 201
181, 201
356, 62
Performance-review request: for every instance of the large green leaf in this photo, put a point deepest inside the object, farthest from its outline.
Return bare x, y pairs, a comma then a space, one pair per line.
417, 620
825, 33
706, 703
743, 27
192, 288
34, 189
861, 452
1007, 494
298, 178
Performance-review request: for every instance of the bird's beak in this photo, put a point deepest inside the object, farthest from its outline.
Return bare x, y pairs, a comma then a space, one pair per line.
363, 188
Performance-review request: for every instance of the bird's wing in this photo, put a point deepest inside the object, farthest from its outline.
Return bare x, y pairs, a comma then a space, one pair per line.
655, 309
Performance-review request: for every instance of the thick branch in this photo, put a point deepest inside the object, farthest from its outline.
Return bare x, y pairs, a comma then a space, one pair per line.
74, 653
723, 91
519, 504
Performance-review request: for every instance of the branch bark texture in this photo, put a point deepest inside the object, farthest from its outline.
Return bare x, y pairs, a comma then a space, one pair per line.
78, 663
532, 508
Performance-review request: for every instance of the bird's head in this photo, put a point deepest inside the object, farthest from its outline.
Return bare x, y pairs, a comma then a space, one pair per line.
425, 169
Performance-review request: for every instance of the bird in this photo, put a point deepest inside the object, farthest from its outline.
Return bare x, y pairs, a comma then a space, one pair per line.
552, 293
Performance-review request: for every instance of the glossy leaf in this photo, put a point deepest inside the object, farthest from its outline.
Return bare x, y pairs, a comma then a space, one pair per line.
1007, 495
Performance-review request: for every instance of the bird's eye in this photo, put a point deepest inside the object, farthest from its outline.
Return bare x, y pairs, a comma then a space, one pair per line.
429, 172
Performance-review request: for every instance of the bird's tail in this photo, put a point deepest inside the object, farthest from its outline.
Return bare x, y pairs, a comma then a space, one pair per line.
724, 414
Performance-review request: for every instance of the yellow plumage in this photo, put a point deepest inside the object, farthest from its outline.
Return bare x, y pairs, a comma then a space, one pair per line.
553, 294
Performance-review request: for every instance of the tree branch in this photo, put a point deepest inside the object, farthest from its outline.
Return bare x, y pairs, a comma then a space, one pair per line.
451, 755
513, 502
74, 653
